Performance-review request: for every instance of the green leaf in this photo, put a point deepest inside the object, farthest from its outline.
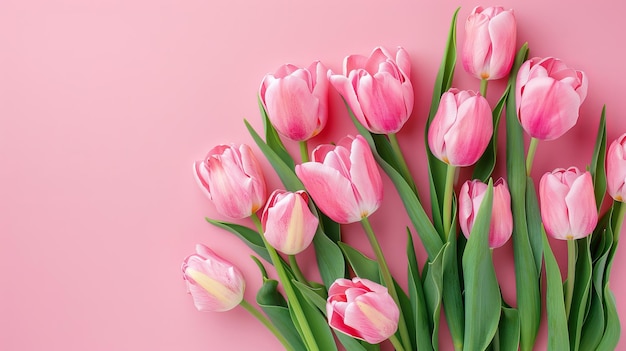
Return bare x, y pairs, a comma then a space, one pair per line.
363, 266
428, 235
508, 330
436, 168
349, 342
418, 302
313, 295
452, 291
558, 338
526, 272
598, 160
331, 228
580, 296
613, 329
433, 286
285, 172
481, 285
272, 138
261, 267
317, 322
533, 220
329, 258
275, 307
487, 162
248, 236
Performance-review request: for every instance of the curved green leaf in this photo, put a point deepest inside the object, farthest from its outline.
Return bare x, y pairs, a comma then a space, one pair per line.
508, 330
363, 266
275, 307
487, 162
416, 293
330, 260
598, 160
248, 236
452, 290
558, 338
580, 296
433, 286
272, 139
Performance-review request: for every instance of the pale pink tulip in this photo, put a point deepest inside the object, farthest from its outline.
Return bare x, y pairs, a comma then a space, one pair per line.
568, 203
362, 309
232, 178
616, 169
489, 47
548, 97
471, 197
289, 226
461, 128
296, 100
377, 89
214, 283
343, 180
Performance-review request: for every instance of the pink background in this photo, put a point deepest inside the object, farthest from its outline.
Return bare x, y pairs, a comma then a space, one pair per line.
104, 105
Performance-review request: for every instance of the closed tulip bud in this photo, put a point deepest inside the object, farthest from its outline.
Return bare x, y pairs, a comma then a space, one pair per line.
289, 226
548, 95
362, 309
377, 89
214, 283
232, 178
461, 128
616, 169
489, 47
568, 203
296, 100
343, 180
471, 197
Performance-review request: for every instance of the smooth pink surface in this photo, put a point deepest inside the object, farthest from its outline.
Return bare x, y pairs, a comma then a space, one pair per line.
104, 106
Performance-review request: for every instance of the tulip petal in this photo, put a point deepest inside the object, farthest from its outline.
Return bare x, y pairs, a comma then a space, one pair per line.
581, 203
503, 33
468, 138
345, 88
380, 100
442, 122
554, 211
365, 176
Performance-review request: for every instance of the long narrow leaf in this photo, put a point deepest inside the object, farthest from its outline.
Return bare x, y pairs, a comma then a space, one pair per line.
272, 139
558, 339
598, 160
248, 236
416, 294
580, 296
487, 162
275, 307
433, 286
452, 291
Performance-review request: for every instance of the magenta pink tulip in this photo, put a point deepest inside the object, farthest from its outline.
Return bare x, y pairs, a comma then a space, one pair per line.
343, 180
232, 178
289, 225
548, 96
490, 40
377, 89
568, 203
214, 283
471, 197
616, 169
296, 100
461, 128
362, 309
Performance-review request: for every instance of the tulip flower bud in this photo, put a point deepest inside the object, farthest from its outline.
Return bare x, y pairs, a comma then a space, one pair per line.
296, 100
548, 95
289, 226
490, 39
568, 204
461, 128
343, 180
616, 169
377, 89
362, 309
214, 283
232, 178
471, 197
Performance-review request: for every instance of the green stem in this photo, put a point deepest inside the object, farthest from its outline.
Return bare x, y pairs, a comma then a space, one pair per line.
292, 299
387, 279
266, 322
396, 343
404, 168
304, 151
619, 223
296, 270
447, 201
483, 87
532, 149
571, 274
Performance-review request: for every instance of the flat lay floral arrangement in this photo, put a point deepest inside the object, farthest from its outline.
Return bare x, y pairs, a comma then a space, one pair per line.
359, 304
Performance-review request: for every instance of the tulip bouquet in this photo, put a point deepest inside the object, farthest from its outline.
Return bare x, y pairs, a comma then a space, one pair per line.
358, 303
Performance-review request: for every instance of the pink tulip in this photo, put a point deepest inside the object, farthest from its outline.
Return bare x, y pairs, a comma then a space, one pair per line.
489, 47
568, 203
214, 283
377, 89
461, 128
471, 197
296, 100
289, 224
232, 178
548, 96
362, 309
616, 169
343, 180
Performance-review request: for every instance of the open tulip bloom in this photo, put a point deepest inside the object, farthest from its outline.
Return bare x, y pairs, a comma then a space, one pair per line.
354, 299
